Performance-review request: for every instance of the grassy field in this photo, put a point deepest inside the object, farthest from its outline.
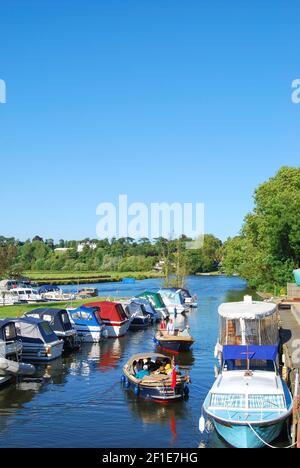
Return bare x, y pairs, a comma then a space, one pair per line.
74, 277
19, 310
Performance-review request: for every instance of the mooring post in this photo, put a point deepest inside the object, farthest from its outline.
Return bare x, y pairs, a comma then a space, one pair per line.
296, 401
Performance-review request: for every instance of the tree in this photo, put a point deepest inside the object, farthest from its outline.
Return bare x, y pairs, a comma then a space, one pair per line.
7, 259
269, 246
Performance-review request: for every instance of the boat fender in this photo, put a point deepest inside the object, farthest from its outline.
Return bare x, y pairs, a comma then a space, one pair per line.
202, 424
186, 391
127, 383
136, 391
123, 379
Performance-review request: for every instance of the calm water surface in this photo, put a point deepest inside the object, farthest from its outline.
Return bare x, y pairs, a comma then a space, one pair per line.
79, 401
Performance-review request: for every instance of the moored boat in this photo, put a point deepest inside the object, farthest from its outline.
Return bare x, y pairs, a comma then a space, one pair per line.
88, 324
149, 309
11, 353
153, 376
247, 323
139, 319
60, 323
113, 316
39, 342
26, 295
180, 341
157, 302
249, 403
173, 301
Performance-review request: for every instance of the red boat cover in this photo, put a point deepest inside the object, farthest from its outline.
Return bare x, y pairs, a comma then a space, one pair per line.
112, 311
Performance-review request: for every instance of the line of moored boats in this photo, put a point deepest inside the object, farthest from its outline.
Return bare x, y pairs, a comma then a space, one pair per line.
249, 402
44, 333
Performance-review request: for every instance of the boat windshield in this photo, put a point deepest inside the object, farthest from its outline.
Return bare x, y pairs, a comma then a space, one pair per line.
224, 400
263, 365
254, 401
266, 401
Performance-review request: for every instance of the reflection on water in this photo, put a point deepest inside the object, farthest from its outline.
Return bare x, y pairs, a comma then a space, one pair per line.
81, 393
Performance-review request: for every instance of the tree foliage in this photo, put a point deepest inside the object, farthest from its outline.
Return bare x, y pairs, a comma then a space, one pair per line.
268, 248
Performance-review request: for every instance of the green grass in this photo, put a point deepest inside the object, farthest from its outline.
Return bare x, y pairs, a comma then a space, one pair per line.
19, 310
71, 277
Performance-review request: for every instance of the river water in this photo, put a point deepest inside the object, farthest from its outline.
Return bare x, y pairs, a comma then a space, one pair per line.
78, 400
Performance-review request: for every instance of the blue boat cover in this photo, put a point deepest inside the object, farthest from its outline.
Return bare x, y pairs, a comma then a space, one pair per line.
265, 353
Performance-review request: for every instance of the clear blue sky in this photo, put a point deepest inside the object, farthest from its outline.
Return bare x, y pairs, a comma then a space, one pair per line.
163, 100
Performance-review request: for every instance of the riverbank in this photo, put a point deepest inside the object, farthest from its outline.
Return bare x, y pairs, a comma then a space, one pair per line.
19, 310
57, 278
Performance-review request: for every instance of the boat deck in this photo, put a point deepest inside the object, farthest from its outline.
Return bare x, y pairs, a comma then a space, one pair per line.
290, 332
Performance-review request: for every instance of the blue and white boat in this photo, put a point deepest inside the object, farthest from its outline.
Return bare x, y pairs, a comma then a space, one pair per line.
249, 403
87, 323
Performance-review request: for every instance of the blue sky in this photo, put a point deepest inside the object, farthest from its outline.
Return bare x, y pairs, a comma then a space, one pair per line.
163, 100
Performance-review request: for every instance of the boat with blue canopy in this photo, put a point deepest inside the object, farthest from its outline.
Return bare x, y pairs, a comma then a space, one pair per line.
39, 342
249, 403
88, 324
60, 322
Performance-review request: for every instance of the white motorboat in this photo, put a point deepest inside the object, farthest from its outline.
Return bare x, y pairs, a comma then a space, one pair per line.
249, 403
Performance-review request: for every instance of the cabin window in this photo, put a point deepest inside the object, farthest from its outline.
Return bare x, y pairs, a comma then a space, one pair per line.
86, 316
266, 402
10, 332
76, 315
28, 291
48, 318
223, 400
46, 328
65, 317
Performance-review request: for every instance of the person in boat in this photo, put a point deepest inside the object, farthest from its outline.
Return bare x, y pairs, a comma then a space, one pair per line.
186, 331
142, 373
163, 324
171, 327
134, 367
151, 365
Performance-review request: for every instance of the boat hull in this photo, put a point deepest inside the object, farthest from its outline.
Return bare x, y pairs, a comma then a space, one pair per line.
159, 393
177, 346
242, 436
116, 329
42, 352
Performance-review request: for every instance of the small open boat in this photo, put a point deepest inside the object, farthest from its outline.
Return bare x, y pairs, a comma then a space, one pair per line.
179, 342
152, 376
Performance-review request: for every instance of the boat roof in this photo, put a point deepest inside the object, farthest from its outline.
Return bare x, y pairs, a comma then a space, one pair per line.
247, 310
261, 382
46, 310
32, 320
137, 357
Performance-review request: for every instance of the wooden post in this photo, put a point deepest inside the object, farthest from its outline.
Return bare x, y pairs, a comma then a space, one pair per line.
296, 402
